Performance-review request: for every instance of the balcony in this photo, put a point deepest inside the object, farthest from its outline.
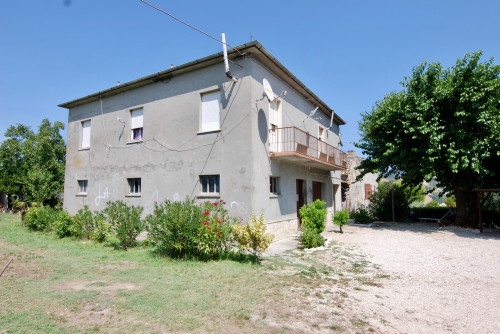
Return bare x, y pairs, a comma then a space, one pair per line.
296, 146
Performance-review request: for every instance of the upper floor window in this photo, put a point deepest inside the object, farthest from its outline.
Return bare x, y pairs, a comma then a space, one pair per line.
210, 112
275, 114
136, 125
85, 134
274, 185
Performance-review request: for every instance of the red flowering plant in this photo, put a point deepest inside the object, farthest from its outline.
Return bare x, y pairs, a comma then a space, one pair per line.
215, 229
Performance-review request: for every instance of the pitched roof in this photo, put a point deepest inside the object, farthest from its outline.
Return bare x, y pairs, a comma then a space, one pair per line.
254, 48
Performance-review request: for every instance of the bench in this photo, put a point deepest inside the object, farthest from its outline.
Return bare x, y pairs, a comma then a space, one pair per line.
451, 212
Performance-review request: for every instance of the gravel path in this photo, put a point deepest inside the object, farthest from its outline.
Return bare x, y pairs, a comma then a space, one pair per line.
442, 280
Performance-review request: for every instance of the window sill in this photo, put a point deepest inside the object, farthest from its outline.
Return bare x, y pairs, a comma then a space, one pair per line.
208, 196
208, 132
81, 195
84, 149
134, 142
274, 196
133, 195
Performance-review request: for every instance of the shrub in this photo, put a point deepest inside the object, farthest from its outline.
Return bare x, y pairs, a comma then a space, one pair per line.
362, 216
310, 238
341, 218
125, 222
315, 213
381, 201
173, 227
252, 236
433, 204
83, 223
40, 218
214, 233
63, 225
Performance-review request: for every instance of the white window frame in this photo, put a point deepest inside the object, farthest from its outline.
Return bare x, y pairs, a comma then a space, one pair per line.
86, 130
82, 187
137, 124
210, 111
274, 186
134, 186
205, 183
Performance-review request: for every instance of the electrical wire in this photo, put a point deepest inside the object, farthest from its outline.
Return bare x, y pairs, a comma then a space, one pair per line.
189, 25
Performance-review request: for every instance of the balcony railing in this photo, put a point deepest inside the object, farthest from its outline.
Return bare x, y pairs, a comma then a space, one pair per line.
293, 142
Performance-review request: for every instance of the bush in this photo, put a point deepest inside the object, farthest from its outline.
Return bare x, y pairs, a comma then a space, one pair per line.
173, 228
101, 228
362, 216
125, 221
63, 225
433, 204
381, 201
214, 233
310, 238
90, 225
315, 213
252, 236
341, 218
40, 218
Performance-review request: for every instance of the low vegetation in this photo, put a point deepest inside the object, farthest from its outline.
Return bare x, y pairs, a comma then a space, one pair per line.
313, 223
340, 218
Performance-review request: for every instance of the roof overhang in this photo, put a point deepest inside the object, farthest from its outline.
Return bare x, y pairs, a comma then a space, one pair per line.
254, 49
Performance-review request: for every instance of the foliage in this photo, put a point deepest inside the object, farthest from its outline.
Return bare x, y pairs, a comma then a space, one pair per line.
40, 218
381, 201
450, 201
214, 233
32, 164
173, 227
252, 236
310, 238
445, 123
362, 216
433, 204
63, 225
314, 213
341, 218
125, 222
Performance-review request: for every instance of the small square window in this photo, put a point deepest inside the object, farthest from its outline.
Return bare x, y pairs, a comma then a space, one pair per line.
210, 184
274, 182
134, 186
82, 187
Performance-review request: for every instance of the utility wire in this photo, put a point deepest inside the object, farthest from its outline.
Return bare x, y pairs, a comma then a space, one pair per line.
175, 18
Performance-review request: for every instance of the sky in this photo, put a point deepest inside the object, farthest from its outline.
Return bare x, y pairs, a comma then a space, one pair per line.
349, 53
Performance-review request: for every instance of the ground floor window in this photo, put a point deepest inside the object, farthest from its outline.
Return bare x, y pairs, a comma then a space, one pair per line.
274, 182
82, 187
210, 184
134, 186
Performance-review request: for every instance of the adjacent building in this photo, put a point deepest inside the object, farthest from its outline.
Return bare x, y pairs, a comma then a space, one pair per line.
356, 193
261, 140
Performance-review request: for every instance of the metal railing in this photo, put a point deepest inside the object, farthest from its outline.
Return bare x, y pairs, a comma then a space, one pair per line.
291, 140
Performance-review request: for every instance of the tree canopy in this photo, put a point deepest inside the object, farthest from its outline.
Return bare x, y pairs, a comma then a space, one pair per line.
444, 123
32, 164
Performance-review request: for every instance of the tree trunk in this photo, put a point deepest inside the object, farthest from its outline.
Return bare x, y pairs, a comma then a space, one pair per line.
466, 201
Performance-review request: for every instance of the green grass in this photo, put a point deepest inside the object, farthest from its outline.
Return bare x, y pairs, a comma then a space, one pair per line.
67, 286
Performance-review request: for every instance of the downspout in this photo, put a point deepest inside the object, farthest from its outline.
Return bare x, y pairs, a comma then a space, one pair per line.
226, 62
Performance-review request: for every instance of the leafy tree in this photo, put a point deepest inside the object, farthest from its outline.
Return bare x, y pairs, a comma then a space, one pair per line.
381, 200
444, 123
32, 164
341, 218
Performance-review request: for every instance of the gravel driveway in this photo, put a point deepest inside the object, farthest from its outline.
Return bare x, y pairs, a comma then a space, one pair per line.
443, 280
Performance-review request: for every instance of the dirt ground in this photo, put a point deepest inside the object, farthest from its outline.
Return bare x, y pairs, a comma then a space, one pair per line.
412, 278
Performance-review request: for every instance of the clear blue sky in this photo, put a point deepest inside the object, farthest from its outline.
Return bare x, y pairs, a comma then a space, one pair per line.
350, 53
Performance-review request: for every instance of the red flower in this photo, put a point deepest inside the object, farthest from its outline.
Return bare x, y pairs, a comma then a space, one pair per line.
215, 203
218, 234
220, 230
210, 228
206, 213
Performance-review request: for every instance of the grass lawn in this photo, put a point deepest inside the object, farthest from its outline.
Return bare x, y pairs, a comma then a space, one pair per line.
71, 286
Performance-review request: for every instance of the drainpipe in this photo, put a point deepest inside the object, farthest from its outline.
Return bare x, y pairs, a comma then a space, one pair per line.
226, 62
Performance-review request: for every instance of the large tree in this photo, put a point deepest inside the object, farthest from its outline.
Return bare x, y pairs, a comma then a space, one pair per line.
32, 164
444, 123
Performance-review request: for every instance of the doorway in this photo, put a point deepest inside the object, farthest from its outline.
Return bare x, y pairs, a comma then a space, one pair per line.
301, 196
317, 190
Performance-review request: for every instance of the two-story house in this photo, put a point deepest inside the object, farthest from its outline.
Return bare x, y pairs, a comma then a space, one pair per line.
193, 131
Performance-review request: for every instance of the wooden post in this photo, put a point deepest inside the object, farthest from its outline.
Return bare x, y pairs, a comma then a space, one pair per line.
480, 218
6, 267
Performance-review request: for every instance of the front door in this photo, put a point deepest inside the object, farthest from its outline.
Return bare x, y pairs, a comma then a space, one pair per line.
301, 196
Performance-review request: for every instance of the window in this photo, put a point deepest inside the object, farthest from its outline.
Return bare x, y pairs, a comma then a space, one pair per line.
274, 185
134, 186
82, 185
210, 184
368, 191
85, 134
210, 112
136, 125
